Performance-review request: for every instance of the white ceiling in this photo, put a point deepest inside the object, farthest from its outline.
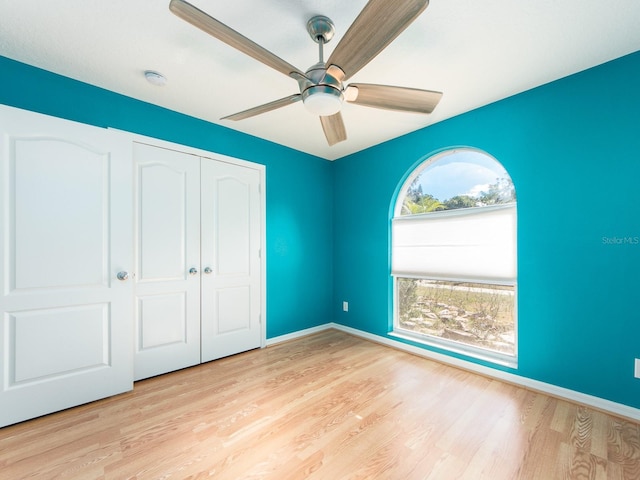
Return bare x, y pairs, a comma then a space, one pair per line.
476, 52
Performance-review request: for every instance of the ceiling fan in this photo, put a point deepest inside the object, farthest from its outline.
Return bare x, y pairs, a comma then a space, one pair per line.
322, 88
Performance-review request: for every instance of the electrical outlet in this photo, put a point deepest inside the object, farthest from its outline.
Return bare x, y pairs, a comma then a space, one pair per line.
637, 369
345, 308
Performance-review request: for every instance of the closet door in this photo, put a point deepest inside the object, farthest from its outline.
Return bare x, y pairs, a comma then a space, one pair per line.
167, 283
66, 222
231, 239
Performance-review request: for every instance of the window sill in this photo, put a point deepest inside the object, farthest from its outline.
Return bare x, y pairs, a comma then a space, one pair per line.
459, 348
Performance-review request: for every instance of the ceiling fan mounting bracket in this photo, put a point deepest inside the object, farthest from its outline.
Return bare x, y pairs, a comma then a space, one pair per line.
321, 28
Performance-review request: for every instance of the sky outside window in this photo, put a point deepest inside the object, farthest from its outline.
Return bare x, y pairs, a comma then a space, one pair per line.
463, 172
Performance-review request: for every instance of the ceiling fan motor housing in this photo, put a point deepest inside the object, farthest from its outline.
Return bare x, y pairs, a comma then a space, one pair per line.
323, 94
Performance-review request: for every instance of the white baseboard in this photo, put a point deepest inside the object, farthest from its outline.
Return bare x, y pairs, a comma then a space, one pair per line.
299, 334
614, 408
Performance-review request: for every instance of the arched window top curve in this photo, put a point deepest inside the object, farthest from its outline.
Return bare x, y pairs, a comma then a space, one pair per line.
455, 179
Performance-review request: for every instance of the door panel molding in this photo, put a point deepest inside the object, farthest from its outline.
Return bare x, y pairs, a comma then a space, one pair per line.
170, 308
31, 356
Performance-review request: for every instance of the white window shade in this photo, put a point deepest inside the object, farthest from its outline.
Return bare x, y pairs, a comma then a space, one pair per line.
466, 244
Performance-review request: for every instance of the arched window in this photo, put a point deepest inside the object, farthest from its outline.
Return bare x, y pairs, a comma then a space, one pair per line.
454, 256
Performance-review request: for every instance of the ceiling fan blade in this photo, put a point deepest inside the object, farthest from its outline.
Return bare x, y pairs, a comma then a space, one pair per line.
393, 98
267, 107
219, 30
333, 127
379, 23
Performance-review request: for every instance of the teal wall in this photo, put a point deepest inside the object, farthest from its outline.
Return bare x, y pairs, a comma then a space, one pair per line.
299, 186
572, 148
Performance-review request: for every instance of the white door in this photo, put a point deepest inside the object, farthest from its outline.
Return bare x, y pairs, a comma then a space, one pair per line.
66, 222
231, 240
167, 280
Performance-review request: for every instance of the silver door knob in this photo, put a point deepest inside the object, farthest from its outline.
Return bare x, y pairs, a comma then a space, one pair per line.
193, 271
122, 276
208, 270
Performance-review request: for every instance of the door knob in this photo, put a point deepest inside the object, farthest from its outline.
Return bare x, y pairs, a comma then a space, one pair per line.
208, 270
122, 276
193, 271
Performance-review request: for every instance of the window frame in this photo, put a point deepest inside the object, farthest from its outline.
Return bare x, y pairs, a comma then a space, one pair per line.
480, 353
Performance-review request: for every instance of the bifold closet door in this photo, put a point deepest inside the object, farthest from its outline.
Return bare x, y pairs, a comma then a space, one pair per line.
198, 268
231, 239
65, 260
167, 251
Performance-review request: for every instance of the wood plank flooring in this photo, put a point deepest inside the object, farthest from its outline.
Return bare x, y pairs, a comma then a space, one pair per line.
330, 407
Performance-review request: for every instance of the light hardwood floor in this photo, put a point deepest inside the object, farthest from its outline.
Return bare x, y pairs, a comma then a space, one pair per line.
329, 406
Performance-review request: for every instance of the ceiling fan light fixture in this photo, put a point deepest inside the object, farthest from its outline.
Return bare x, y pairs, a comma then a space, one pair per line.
323, 100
